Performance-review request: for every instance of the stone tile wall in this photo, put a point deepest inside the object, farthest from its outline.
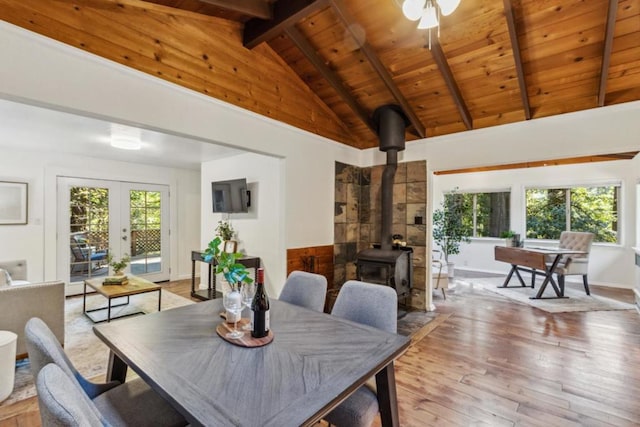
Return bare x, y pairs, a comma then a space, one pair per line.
357, 217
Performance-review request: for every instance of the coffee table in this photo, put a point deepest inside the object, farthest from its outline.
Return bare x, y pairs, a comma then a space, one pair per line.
136, 285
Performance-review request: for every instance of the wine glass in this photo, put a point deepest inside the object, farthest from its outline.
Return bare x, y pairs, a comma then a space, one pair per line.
232, 301
248, 291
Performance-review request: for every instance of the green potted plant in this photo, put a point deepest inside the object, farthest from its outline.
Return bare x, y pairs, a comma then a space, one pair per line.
225, 230
449, 229
509, 237
225, 263
118, 266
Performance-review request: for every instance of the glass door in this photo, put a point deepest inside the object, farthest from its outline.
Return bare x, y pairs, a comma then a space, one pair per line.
99, 219
146, 229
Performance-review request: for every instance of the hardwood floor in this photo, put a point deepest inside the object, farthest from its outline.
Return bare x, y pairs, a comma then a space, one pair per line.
490, 361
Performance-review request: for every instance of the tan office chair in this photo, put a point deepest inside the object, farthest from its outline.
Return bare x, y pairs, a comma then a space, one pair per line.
573, 265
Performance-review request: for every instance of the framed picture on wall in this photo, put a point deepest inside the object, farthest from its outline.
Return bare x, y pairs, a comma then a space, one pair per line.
13, 203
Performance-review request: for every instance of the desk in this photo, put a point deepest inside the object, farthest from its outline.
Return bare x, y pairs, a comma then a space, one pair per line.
314, 362
211, 292
533, 260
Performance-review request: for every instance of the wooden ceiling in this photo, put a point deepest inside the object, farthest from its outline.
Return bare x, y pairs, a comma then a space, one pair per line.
326, 65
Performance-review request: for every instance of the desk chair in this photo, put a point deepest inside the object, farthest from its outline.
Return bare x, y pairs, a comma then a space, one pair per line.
373, 305
436, 273
133, 403
574, 264
305, 289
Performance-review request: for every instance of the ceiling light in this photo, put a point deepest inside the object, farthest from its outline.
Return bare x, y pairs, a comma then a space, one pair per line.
125, 137
428, 12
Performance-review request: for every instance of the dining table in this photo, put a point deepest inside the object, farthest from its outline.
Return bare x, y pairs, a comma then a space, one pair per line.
314, 362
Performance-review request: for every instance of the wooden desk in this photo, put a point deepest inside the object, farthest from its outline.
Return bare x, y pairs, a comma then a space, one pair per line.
136, 285
211, 292
314, 362
533, 260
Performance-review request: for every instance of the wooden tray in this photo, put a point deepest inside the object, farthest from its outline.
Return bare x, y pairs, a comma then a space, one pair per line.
247, 340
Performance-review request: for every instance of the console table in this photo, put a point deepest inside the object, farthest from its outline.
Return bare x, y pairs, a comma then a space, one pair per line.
210, 292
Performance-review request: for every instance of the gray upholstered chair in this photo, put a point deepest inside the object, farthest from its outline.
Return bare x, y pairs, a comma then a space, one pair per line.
132, 403
372, 305
574, 264
305, 290
62, 402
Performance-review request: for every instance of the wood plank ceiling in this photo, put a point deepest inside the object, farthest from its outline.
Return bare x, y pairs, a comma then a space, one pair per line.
326, 65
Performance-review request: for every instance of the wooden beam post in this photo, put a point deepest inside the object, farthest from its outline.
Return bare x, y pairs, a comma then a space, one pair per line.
517, 57
606, 53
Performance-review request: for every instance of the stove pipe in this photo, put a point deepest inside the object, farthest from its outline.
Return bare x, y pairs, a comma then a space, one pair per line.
390, 123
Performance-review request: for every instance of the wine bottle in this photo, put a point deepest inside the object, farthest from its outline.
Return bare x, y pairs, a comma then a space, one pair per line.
260, 308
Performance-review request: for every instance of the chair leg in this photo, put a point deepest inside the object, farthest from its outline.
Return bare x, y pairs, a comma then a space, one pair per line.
443, 294
586, 284
560, 278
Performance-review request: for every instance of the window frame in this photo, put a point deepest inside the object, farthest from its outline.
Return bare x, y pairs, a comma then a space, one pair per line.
606, 183
475, 192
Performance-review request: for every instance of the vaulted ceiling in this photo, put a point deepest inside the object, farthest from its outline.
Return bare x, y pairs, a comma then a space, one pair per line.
326, 65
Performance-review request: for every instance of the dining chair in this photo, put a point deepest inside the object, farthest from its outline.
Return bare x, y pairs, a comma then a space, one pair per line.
437, 263
61, 402
132, 403
305, 289
372, 305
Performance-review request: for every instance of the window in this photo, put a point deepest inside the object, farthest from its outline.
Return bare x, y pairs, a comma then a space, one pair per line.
485, 214
553, 210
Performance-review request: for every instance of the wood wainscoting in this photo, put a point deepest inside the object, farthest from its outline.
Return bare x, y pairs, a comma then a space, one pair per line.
314, 259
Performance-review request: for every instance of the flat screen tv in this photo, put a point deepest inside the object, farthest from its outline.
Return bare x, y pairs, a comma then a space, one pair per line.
230, 196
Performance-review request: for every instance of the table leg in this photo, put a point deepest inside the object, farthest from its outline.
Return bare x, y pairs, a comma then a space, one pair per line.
159, 299
117, 369
387, 396
109, 309
193, 277
514, 268
84, 299
549, 279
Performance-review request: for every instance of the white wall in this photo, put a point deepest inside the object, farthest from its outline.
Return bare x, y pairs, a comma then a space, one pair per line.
257, 231
36, 241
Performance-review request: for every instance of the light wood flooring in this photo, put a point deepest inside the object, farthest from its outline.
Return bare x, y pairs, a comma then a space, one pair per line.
490, 361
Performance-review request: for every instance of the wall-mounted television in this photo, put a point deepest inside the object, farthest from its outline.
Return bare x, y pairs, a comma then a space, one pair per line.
230, 196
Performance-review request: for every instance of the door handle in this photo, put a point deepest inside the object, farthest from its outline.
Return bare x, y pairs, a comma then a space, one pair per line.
124, 237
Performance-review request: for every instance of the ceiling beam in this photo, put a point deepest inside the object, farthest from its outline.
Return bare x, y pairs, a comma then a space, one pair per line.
255, 8
606, 54
285, 14
542, 163
378, 66
445, 70
305, 47
517, 57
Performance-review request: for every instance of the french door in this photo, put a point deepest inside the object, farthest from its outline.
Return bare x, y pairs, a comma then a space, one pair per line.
99, 220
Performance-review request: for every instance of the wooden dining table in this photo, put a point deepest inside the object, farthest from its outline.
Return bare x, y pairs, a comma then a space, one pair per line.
314, 362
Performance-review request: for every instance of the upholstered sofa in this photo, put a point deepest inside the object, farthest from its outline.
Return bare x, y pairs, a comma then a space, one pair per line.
22, 300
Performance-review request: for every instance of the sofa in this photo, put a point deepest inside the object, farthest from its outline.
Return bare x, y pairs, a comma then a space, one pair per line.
21, 300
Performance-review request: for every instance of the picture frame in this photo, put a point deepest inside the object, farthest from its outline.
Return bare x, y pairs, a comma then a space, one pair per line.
230, 246
14, 203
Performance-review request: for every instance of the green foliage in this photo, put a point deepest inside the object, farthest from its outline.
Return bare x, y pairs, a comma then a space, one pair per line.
118, 266
591, 209
507, 234
449, 227
225, 263
225, 230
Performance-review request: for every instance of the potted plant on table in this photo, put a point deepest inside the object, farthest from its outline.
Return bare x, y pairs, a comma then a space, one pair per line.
448, 228
118, 266
225, 263
225, 230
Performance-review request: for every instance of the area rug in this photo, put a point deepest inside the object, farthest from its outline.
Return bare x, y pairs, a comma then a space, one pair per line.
87, 353
576, 301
